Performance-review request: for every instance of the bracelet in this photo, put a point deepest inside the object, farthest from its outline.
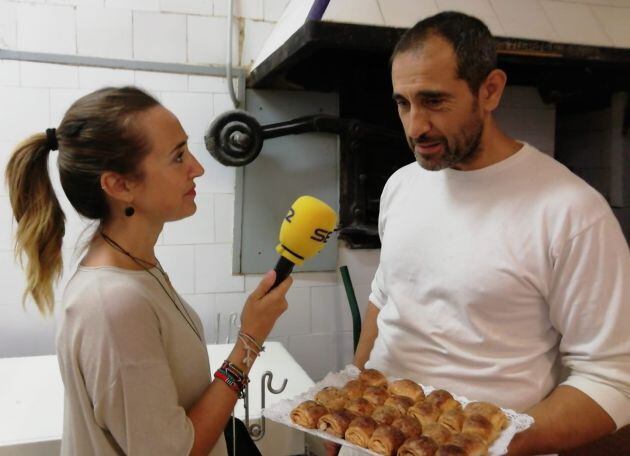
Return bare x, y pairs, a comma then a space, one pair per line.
260, 348
247, 339
233, 377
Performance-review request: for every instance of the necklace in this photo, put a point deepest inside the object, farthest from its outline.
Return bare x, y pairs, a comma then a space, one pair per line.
140, 262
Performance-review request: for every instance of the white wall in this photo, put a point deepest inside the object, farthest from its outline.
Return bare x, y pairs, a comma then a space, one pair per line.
196, 252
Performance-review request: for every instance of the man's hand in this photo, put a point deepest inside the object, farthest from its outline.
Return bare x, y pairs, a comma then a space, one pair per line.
332, 449
369, 331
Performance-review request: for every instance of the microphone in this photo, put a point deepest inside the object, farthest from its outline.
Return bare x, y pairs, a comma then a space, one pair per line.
304, 232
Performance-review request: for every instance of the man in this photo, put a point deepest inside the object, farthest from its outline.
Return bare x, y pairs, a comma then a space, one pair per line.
498, 266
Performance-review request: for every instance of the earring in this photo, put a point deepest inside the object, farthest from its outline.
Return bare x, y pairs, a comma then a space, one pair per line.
129, 211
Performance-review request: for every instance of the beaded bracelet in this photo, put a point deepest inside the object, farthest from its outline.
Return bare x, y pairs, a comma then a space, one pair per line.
233, 377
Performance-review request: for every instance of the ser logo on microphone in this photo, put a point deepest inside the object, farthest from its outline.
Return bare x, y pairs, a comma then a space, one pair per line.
290, 215
321, 235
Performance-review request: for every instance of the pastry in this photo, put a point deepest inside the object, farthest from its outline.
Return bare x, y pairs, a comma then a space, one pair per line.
332, 398
425, 412
360, 431
386, 440
493, 413
360, 406
443, 400
408, 425
354, 388
453, 419
407, 388
451, 450
437, 432
307, 414
400, 403
384, 414
481, 426
373, 377
419, 446
377, 395
335, 423
472, 445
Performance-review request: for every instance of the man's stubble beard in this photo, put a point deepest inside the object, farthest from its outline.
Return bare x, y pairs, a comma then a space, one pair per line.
463, 149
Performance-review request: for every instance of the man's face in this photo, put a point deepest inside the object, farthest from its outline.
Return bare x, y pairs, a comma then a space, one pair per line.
440, 115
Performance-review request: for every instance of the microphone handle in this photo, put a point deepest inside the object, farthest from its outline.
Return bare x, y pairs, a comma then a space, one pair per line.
283, 268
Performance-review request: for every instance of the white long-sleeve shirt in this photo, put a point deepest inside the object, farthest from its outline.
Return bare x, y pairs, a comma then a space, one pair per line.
490, 280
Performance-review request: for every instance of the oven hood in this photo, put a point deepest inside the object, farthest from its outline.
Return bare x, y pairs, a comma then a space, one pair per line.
316, 54
554, 44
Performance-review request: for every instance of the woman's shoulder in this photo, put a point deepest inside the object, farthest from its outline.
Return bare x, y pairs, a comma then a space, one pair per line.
107, 291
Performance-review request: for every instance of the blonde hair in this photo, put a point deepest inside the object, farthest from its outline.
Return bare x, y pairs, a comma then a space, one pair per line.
95, 135
40, 220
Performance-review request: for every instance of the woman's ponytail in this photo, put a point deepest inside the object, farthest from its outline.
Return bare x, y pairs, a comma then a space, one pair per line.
40, 219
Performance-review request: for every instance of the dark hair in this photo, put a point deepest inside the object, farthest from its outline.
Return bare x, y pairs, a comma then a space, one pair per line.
474, 45
97, 134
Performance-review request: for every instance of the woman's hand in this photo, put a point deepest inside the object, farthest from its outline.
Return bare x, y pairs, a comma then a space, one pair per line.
264, 307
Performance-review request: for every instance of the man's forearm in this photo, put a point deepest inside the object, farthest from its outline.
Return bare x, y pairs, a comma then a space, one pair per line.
369, 331
567, 418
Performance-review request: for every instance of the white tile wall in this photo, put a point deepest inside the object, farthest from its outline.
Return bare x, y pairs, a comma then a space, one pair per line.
95, 78
216, 178
222, 102
256, 33
575, 23
12, 281
273, 9
29, 113
55, 26
24, 332
179, 263
198, 229
250, 9
143, 5
203, 7
8, 25
34, 74
524, 19
204, 305
203, 30
9, 73
97, 3
153, 81
224, 217
104, 32
213, 269
60, 101
404, 13
212, 84
159, 37
7, 224
367, 12
615, 21
194, 110
481, 9
297, 318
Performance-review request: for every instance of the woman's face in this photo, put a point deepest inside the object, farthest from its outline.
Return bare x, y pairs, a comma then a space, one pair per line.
166, 191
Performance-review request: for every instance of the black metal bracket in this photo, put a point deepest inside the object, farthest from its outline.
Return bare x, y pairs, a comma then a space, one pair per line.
235, 138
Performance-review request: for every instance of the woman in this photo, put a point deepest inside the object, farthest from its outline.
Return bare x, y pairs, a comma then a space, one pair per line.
132, 354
